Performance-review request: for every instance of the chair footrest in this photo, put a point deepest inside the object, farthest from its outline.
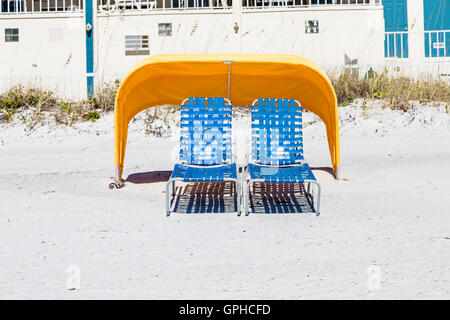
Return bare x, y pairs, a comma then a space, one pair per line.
298, 173
204, 173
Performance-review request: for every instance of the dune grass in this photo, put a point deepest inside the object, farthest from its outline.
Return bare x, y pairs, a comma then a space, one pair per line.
396, 92
38, 104
35, 104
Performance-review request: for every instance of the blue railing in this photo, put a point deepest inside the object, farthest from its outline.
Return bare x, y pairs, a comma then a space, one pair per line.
437, 44
396, 45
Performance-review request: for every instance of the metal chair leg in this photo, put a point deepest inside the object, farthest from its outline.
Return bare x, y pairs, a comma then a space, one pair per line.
247, 198
238, 190
318, 199
168, 196
238, 198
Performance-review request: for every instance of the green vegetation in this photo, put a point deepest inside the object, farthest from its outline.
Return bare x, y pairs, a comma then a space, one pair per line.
35, 105
38, 104
395, 92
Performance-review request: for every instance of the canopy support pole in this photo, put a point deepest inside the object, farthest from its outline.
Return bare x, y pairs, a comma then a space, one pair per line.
118, 177
337, 173
118, 182
229, 77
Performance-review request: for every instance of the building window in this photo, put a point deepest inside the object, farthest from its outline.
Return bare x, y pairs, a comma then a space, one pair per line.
136, 45
12, 35
165, 29
312, 26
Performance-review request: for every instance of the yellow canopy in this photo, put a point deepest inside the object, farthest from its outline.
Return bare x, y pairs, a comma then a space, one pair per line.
167, 79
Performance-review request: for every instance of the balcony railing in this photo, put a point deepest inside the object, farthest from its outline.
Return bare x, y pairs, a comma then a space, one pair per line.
40, 6
437, 44
158, 5
55, 6
140, 5
257, 4
396, 45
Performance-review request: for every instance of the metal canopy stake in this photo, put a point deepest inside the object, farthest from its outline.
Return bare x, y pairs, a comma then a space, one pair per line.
229, 76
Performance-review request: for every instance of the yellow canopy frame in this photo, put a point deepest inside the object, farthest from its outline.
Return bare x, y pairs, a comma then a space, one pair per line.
167, 79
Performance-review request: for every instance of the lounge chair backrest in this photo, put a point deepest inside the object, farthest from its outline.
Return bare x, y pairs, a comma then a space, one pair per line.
277, 133
205, 137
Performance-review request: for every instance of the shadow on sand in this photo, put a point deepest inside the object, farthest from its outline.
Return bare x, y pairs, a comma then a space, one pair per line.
206, 197
325, 169
280, 198
149, 177
220, 197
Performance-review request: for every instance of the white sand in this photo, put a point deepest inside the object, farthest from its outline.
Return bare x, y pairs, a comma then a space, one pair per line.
393, 212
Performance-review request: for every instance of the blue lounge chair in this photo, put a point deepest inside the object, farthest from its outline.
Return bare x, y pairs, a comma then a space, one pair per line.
277, 148
205, 146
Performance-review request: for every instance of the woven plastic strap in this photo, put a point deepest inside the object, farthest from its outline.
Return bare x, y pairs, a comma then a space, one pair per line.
204, 174
277, 133
298, 173
205, 137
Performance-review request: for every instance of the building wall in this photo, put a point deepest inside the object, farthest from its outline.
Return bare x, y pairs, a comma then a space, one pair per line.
48, 44
191, 33
357, 33
50, 47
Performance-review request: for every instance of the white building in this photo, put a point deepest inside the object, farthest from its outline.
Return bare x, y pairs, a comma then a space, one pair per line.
69, 44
